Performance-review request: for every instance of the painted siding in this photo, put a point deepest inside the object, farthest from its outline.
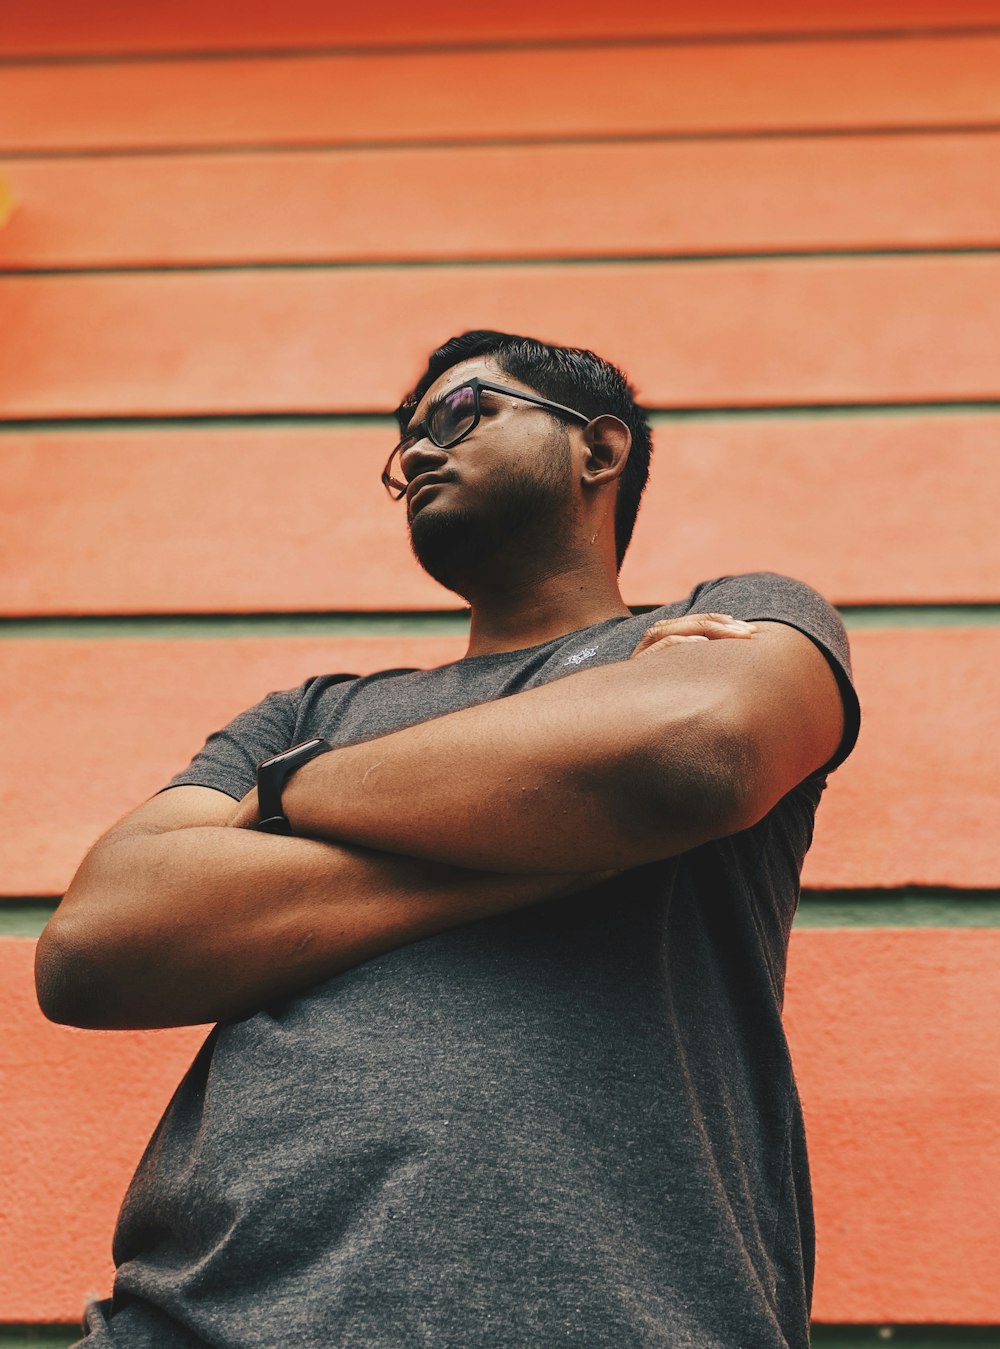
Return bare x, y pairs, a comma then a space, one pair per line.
234, 235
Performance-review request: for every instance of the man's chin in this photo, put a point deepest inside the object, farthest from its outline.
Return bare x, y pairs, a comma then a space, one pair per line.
468, 547
448, 544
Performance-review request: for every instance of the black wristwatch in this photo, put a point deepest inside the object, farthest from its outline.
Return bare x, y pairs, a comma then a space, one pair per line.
273, 773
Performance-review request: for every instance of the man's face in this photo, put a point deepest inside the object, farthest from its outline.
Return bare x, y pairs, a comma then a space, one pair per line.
505, 488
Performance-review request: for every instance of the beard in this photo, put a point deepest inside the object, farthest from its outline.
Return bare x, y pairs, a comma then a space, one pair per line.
523, 517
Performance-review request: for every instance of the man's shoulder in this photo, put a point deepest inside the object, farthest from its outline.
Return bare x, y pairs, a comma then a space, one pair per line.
754, 587
739, 593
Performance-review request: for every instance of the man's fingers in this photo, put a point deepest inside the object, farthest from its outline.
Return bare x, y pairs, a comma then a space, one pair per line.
691, 627
670, 640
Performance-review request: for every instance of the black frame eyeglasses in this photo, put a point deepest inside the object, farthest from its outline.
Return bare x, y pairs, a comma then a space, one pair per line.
453, 417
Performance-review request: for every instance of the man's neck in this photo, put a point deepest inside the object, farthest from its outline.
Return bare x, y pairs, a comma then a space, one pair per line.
528, 612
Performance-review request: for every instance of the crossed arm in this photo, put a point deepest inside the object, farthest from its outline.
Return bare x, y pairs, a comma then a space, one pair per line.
182, 914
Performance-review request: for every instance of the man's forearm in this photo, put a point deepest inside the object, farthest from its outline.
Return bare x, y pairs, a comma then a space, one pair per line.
606, 769
209, 924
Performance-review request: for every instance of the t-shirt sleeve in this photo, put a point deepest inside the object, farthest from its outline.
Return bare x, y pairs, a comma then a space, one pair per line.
228, 760
765, 596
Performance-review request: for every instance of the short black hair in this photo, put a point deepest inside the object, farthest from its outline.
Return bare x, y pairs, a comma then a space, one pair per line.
569, 375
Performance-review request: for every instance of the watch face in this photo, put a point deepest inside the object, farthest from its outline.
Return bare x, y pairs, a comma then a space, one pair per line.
294, 752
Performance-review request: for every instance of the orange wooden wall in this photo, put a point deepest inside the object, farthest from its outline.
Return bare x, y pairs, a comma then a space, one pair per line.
228, 237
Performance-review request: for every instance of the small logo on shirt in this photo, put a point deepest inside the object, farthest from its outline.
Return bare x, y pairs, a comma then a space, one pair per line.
579, 657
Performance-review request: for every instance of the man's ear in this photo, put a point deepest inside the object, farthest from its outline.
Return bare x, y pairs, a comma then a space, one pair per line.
608, 441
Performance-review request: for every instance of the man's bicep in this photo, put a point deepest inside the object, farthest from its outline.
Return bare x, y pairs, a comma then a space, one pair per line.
787, 710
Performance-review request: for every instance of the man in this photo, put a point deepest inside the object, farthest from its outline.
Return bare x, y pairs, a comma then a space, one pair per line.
499, 976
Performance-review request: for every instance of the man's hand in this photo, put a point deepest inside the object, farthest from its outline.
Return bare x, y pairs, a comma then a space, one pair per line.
690, 628
246, 815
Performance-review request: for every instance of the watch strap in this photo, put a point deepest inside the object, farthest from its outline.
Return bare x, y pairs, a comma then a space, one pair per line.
273, 773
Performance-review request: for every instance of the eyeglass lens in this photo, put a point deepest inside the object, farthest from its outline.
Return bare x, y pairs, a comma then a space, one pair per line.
453, 416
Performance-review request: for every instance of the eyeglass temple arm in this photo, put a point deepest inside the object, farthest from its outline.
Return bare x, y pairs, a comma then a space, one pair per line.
531, 398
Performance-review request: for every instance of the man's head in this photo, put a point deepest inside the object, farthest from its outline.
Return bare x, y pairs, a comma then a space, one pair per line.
528, 460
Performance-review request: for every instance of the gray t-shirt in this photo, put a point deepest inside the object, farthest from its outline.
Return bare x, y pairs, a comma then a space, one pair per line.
573, 1125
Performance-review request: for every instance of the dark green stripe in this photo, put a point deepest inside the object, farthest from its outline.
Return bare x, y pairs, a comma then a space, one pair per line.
831, 1337
38, 1337
819, 909
290, 420
911, 907
920, 615
205, 421
827, 411
25, 917
444, 623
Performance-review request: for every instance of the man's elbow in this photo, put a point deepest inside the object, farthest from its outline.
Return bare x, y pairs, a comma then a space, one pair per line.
737, 778
86, 969
705, 784
90, 958
67, 982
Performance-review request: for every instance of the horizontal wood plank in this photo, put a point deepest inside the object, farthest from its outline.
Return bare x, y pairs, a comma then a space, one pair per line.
689, 198
896, 1045
91, 728
132, 714
503, 94
872, 509
690, 334
62, 28
894, 1037
79, 1107
917, 803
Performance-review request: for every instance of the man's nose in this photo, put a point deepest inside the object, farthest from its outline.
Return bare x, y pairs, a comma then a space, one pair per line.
421, 457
